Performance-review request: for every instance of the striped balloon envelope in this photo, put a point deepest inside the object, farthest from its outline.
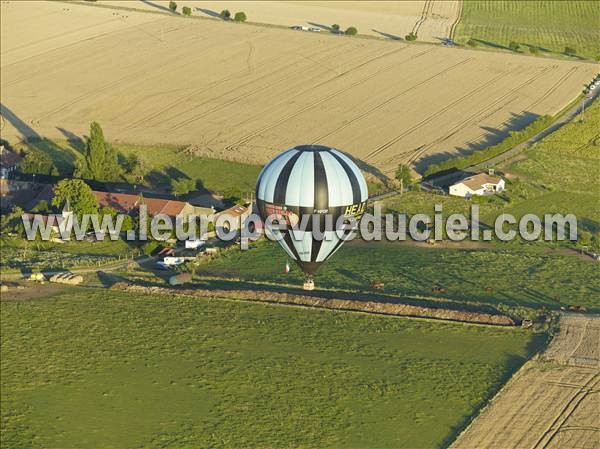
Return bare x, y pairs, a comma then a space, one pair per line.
306, 190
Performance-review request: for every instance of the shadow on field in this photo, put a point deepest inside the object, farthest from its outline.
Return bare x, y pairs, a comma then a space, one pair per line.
157, 6
493, 136
74, 140
209, 12
61, 158
388, 35
492, 44
323, 27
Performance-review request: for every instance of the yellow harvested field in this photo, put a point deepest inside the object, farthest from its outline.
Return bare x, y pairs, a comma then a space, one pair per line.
246, 92
552, 402
431, 20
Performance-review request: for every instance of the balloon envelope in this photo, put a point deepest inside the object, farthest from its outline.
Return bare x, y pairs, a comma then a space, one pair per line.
300, 188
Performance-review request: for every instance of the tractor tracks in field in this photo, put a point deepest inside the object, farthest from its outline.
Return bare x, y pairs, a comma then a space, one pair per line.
329, 96
566, 412
245, 94
494, 106
427, 8
391, 99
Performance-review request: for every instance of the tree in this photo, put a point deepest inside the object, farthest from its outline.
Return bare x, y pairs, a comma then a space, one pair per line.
112, 170
570, 51
404, 176
41, 208
12, 221
472, 43
186, 11
149, 247
335, 28
534, 50
78, 193
94, 152
132, 164
351, 31
225, 14
412, 36
173, 6
182, 186
100, 162
240, 16
514, 46
37, 162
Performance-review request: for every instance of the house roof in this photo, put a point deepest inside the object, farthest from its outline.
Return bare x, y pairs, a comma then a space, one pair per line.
8, 158
121, 202
477, 181
125, 202
159, 206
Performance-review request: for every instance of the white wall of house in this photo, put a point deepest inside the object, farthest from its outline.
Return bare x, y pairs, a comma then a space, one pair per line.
460, 190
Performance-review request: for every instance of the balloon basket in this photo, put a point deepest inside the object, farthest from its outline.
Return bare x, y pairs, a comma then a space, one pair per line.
309, 284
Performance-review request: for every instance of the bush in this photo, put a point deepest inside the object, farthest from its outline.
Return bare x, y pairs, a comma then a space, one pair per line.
514, 46
37, 162
351, 31
472, 43
173, 6
225, 14
335, 28
240, 16
411, 37
534, 50
149, 247
514, 138
186, 10
182, 186
570, 51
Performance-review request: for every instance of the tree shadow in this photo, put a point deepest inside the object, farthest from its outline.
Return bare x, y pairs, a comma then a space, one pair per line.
209, 12
63, 160
323, 27
74, 140
542, 49
492, 44
516, 122
157, 6
388, 35
174, 173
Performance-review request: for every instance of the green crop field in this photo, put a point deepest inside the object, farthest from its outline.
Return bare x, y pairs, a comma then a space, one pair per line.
512, 275
549, 25
103, 369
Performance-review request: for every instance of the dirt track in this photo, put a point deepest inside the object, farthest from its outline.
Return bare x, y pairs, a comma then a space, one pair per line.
247, 92
552, 402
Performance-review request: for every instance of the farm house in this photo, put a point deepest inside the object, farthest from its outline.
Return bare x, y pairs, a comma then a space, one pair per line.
479, 184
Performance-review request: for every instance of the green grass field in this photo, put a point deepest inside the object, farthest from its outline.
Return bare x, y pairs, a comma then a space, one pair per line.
161, 163
548, 25
102, 369
24, 256
512, 275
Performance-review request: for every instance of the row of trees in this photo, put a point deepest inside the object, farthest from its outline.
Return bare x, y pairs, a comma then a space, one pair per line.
350, 31
516, 47
239, 16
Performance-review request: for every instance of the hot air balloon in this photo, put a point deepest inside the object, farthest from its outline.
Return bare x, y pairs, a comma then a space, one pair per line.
305, 184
